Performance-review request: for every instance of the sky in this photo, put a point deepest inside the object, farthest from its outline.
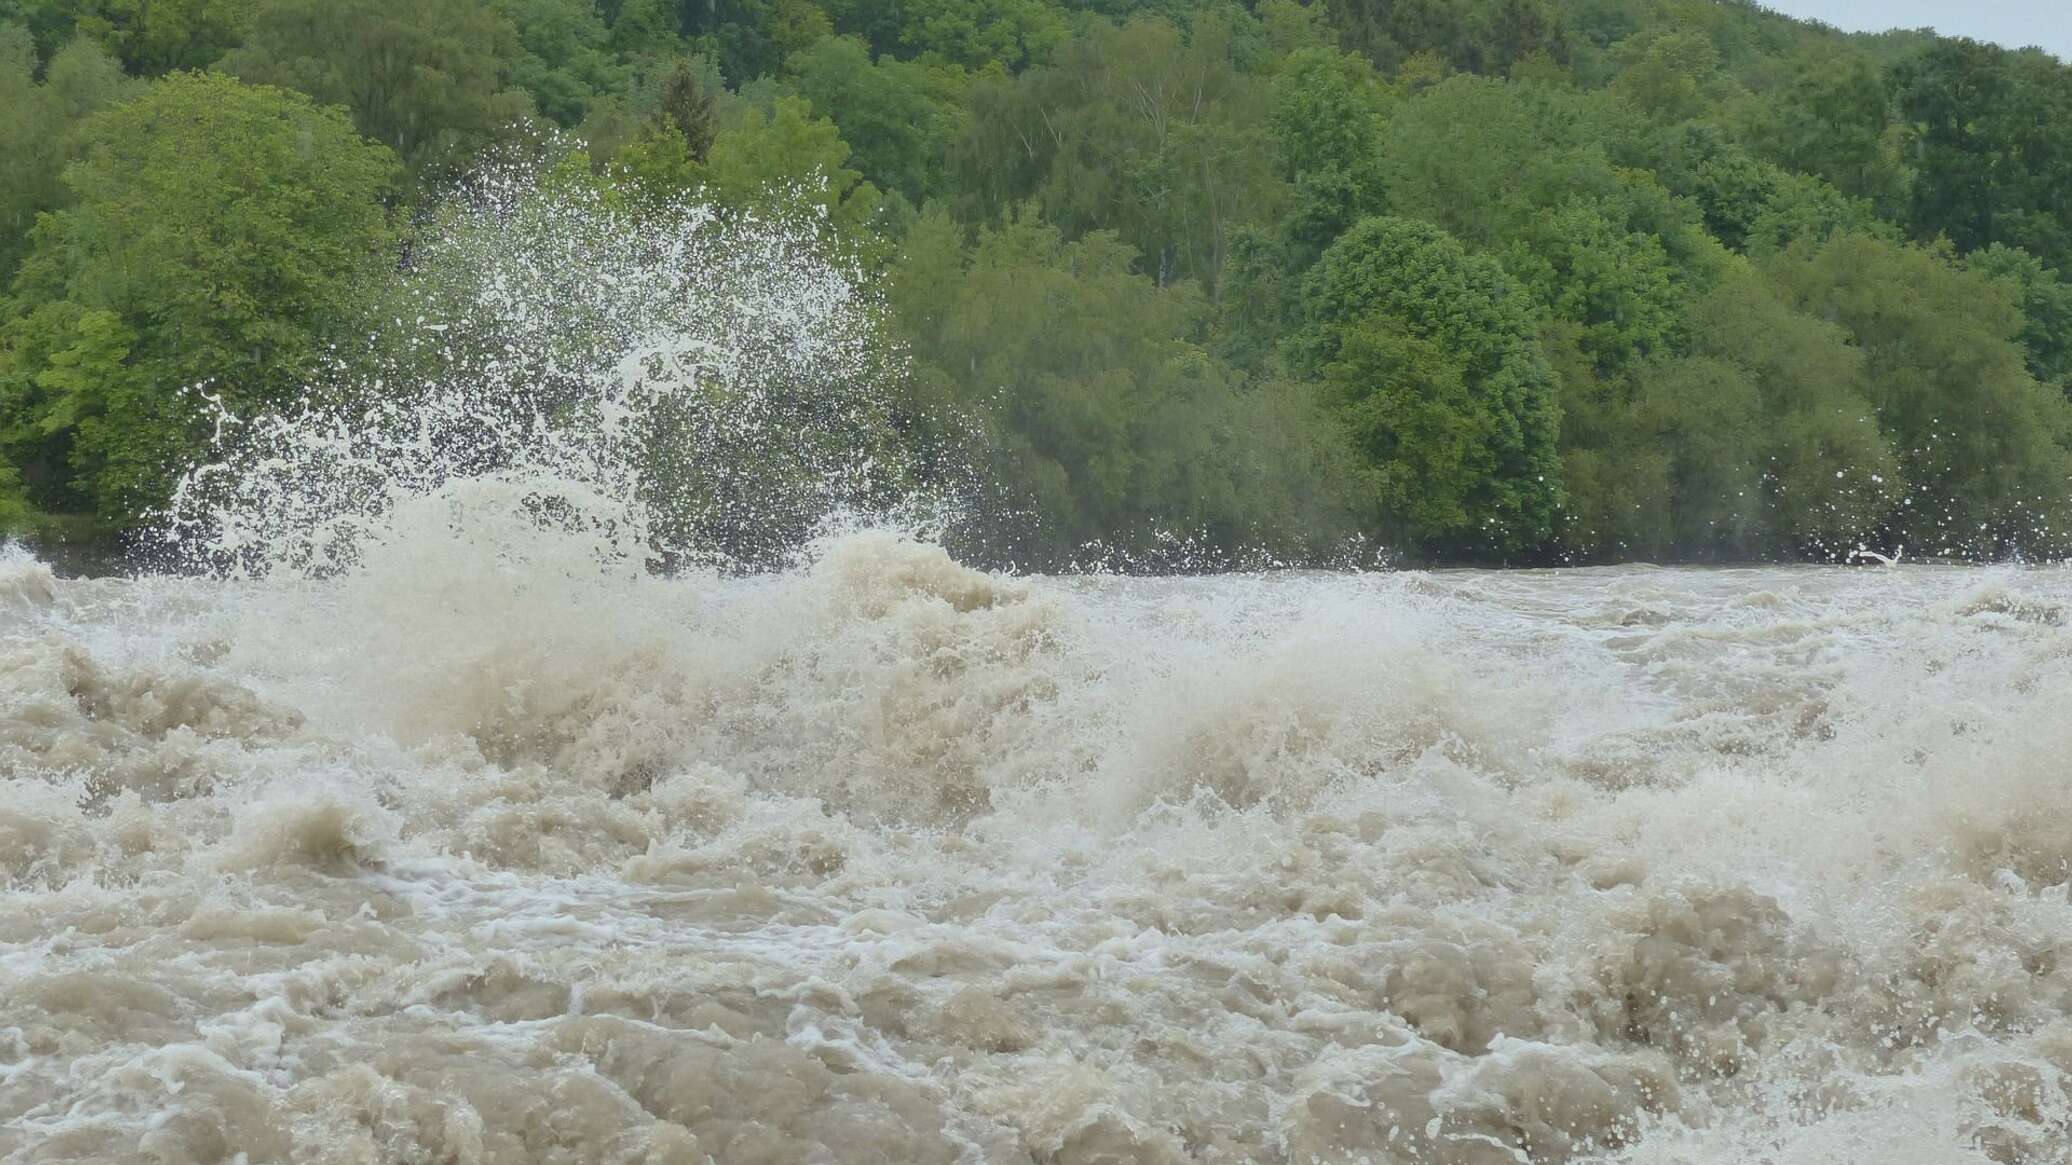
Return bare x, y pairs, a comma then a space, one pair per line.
2014, 23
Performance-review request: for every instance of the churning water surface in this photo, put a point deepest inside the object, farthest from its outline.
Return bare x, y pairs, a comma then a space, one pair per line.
461, 856
431, 826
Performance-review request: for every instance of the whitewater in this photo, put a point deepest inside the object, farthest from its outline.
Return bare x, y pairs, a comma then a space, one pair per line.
589, 752
886, 859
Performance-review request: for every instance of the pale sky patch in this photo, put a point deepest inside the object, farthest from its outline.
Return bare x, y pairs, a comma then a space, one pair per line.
2014, 23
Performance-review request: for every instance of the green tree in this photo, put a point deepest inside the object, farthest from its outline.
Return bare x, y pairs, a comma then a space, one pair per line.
434, 80
686, 109
899, 116
17, 516
1484, 36
644, 29
1699, 161
1671, 76
1759, 438
1833, 121
1143, 129
1992, 160
1982, 445
216, 229
1807, 420
565, 62
2045, 299
739, 34
1486, 159
1398, 313
1328, 114
789, 148
147, 36
1804, 209
653, 141
1618, 286
786, 156
976, 33
1006, 34
79, 80
1105, 422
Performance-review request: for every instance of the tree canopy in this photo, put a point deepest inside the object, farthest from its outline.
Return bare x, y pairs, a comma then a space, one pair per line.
212, 231
1487, 280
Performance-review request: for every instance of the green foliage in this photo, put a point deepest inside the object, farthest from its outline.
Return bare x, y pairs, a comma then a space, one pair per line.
1761, 439
149, 37
1488, 159
686, 109
1013, 33
1982, 445
1329, 111
1564, 279
1670, 76
1483, 36
1142, 129
1617, 285
644, 29
791, 149
898, 116
1433, 354
784, 157
1010, 34
1731, 189
1833, 121
2045, 299
1829, 472
433, 80
565, 61
1804, 209
1992, 160
1104, 419
215, 228
17, 516
80, 79
1475, 155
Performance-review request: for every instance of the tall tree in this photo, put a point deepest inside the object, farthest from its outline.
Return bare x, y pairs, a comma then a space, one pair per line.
1328, 114
1982, 445
432, 80
1144, 129
899, 116
1992, 163
79, 80
1106, 423
1826, 473
148, 36
1832, 120
565, 63
1433, 355
216, 229
2045, 299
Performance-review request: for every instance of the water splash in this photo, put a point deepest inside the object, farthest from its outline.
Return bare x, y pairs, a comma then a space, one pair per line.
650, 384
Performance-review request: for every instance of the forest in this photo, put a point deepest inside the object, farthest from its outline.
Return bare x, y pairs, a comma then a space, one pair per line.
1494, 281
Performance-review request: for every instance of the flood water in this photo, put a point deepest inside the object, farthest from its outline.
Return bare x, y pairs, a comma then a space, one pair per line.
473, 856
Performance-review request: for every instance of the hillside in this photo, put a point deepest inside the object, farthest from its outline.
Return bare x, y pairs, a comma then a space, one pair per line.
1178, 283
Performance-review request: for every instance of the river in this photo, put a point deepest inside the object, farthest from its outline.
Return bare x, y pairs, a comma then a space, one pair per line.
467, 856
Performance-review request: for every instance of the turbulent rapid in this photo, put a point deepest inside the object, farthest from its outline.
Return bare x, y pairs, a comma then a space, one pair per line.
464, 798
885, 859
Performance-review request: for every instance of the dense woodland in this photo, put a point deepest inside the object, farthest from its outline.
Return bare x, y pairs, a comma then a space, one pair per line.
1474, 280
